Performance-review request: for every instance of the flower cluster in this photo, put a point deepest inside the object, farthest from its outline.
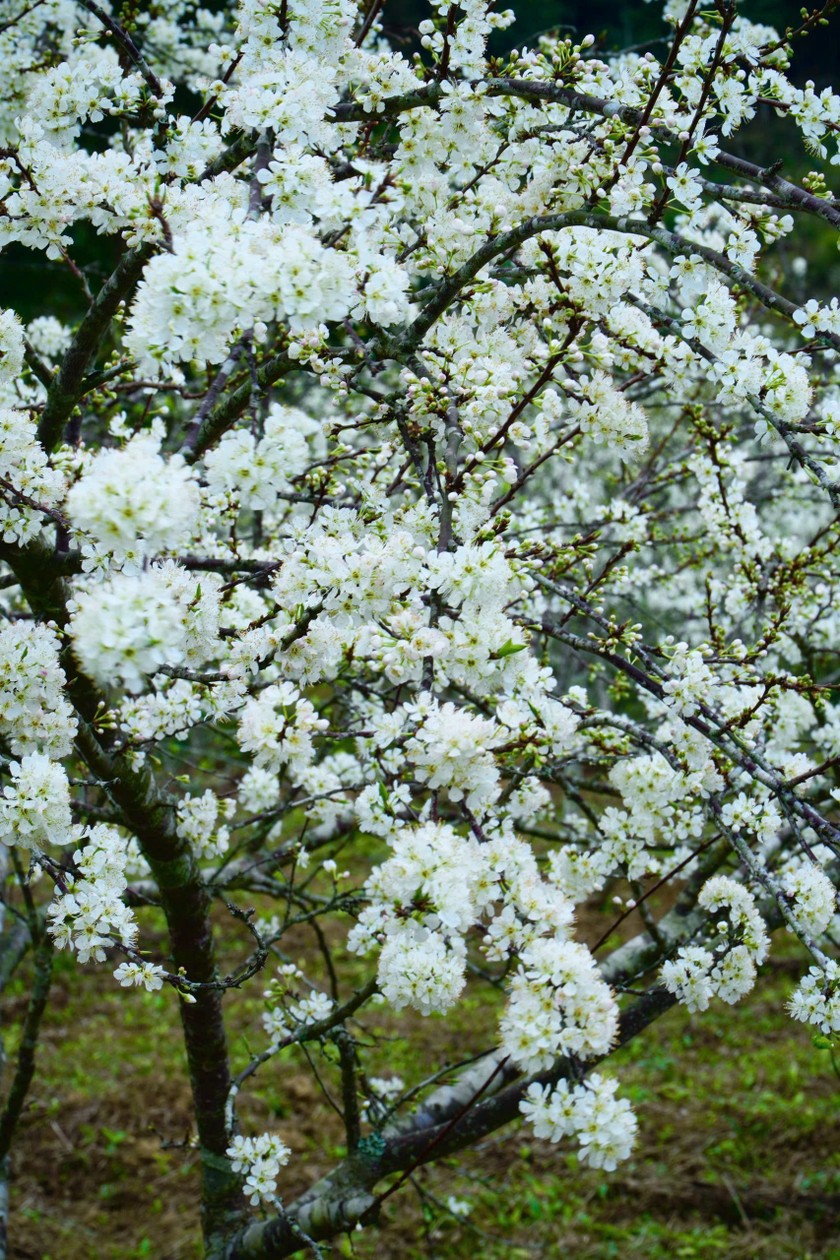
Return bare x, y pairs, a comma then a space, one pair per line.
421, 968
558, 1005
812, 895
35, 714
817, 998
728, 969
291, 1004
604, 1126
260, 1160
131, 625
146, 975
277, 727
35, 806
451, 749
198, 822
255, 471
29, 488
132, 503
91, 915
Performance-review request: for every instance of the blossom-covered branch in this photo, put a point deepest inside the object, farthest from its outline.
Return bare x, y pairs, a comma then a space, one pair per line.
426, 529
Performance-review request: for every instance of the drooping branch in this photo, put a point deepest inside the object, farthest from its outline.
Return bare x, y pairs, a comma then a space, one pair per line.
483, 1098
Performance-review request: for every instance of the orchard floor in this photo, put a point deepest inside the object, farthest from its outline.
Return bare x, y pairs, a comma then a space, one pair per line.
738, 1152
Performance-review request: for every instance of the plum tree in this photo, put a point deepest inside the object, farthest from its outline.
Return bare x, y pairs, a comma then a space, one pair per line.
445, 471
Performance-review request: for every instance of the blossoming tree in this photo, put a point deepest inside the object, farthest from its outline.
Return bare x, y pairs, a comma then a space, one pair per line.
448, 466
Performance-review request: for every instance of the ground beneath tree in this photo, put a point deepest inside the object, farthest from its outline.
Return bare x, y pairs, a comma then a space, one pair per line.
737, 1153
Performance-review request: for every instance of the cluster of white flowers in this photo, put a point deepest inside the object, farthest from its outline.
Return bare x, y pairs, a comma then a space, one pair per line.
132, 503
216, 286
433, 872
48, 337
278, 726
758, 816
728, 969
604, 1126
286, 89
452, 748
35, 806
145, 975
79, 89
814, 318
171, 710
34, 712
691, 681
726, 509
421, 968
254, 471
260, 1160
816, 999
194, 301
465, 45
131, 625
91, 915
812, 895
127, 628
663, 805
198, 822
291, 1004
281, 1023
608, 416
11, 355
558, 1004
33, 487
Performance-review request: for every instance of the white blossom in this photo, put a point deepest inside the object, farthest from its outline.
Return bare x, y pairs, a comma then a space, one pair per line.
603, 1125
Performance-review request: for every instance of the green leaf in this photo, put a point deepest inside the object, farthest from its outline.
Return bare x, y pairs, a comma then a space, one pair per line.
508, 649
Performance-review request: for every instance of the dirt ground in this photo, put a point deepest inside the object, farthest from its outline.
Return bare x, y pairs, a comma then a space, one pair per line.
738, 1153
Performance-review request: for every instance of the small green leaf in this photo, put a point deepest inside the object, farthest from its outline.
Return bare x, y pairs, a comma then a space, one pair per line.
508, 649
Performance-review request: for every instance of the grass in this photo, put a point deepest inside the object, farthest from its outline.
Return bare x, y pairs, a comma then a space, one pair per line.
737, 1153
